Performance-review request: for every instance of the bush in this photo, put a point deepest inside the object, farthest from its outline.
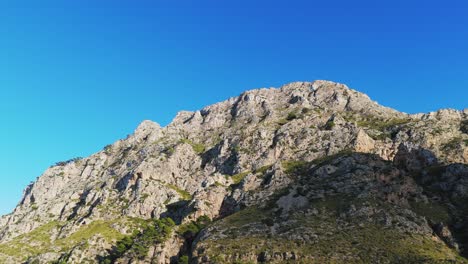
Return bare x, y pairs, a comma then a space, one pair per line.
184, 260
382, 125
263, 170
182, 193
329, 125
63, 163
191, 230
295, 166
198, 148
155, 231
108, 149
237, 178
291, 116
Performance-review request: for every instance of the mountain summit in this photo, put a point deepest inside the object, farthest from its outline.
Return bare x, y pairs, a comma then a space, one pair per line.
312, 172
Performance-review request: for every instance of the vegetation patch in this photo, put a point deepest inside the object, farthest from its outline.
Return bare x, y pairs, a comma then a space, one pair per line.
434, 212
244, 217
291, 116
63, 163
101, 228
369, 244
332, 242
282, 122
329, 125
295, 167
154, 231
198, 148
30, 244
182, 193
237, 178
191, 229
298, 167
262, 170
184, 259
108, 149
380, 124
38, 241
169, 150
327, 159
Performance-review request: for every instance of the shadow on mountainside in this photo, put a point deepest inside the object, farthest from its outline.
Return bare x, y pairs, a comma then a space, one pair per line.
351, 199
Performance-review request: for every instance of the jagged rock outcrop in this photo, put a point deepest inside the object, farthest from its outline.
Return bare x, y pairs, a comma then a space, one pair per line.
307, 172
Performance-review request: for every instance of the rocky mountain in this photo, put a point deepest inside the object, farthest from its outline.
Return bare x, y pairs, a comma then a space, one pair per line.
312, 172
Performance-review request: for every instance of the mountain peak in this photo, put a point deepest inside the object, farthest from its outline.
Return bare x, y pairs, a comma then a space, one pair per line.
276, 169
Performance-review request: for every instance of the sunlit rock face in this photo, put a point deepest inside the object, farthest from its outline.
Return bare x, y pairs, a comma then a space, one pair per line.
311, 171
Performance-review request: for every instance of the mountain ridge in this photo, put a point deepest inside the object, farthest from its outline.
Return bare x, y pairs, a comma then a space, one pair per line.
237, 155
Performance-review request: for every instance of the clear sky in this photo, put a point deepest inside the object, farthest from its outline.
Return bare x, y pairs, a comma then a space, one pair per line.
77, 75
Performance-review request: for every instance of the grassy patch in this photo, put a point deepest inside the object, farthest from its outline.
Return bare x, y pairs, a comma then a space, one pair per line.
246, 216
39, 241
182, 193
291, 116
370, 243
298, 167
102, 228
295, 166
282, 122
432, 211
262, 170
191, 229
237, 178
329, 125
380, 124
30, 244
198, 148
327, 159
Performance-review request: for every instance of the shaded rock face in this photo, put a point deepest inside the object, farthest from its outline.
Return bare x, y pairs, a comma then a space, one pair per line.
308, 172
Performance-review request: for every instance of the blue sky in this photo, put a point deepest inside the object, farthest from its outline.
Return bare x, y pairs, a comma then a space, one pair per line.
77, 75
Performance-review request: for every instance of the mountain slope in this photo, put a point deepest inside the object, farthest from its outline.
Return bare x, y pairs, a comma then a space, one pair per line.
307, 172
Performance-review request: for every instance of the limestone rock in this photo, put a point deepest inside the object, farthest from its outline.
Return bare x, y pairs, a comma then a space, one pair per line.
279, 172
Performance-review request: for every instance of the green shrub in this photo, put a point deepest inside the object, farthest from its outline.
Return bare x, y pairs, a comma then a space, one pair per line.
182, 193
382, 125
262, 170
153, 232
326, 159
291, 116
329, 125
63, 163
294, 166
191, 229
184, 260
237, 178
108, 149
169, 150
198, 148
282, 122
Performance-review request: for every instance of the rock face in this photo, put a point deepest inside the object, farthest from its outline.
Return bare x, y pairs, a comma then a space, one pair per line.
310, 172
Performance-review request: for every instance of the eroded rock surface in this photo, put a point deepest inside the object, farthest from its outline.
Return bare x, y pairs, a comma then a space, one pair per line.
310, 172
